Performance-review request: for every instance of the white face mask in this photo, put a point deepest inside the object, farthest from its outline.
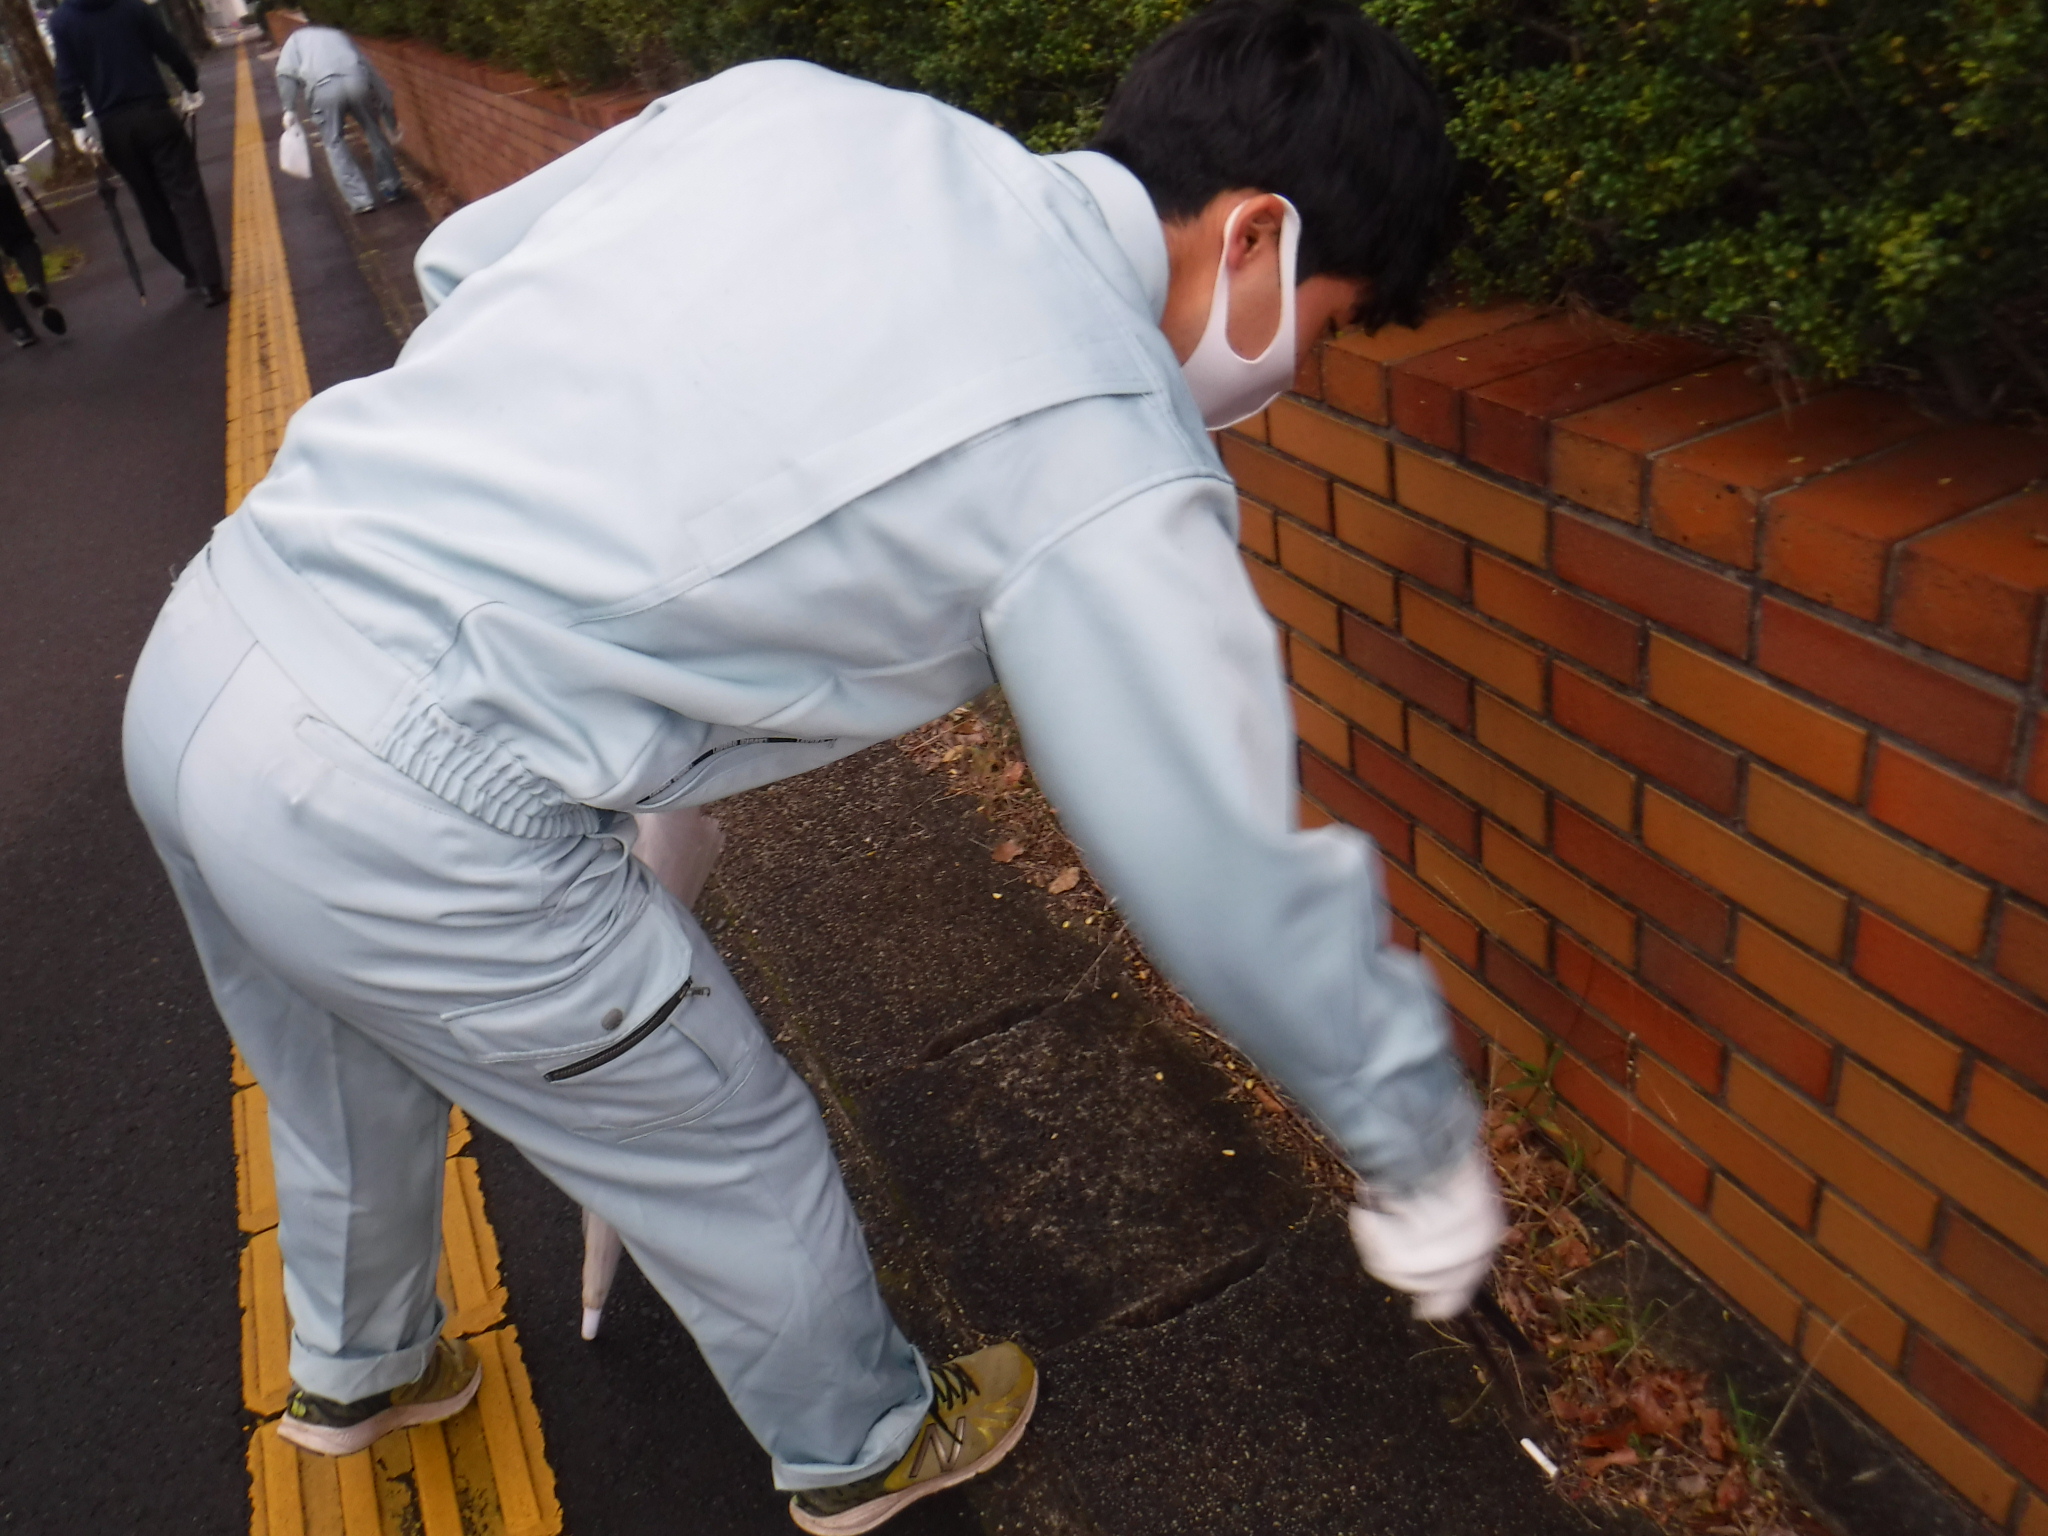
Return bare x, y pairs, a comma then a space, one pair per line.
1228, 387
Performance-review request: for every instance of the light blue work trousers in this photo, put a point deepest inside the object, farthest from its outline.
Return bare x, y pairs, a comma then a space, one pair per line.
331, 103
377, 953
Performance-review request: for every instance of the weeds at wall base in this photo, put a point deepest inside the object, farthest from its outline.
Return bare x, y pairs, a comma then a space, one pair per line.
1670, 1445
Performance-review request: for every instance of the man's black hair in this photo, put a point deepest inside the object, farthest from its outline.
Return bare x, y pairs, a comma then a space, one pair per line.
1309, 99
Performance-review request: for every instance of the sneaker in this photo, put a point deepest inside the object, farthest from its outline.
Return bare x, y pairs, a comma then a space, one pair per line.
980, 1405
215, 294
23, 336
329, 1428
53, 320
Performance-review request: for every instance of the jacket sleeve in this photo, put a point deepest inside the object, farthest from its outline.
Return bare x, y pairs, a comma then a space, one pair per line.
1146, 680
473, 237
70, 88
167, 47
291, 86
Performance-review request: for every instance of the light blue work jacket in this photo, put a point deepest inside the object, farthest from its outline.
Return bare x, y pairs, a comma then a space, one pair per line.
785, 418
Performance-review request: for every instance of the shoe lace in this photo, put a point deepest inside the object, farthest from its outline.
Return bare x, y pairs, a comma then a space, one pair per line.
951, 1385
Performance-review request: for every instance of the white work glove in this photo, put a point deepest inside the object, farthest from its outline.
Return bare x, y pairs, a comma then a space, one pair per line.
88, 137
289, 121
1436, 1244
18, 174
191, 102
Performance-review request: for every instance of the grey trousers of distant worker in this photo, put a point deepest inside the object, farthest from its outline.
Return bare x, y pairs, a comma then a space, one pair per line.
331, 102
377, 953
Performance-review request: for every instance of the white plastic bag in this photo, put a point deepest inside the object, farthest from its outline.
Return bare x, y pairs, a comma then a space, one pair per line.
293, 156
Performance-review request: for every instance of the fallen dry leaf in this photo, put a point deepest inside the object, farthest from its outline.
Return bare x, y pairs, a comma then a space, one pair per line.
1733, 1492
1065, 880
1625, 1457
1014, 774
1006, 850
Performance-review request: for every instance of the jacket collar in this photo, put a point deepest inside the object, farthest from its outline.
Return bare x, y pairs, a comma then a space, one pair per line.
1126, 207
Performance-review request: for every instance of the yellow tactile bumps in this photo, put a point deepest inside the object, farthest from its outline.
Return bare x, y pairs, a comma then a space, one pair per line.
483, 1472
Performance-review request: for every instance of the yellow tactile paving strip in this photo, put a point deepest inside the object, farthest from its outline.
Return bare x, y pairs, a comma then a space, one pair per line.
485, 1471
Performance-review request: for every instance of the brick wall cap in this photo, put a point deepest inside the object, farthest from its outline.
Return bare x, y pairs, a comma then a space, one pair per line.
1586, 379
1468, 362
1392, 343
1667, 414
1783, 449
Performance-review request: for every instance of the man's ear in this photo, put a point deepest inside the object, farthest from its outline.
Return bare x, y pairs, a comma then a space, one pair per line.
1257, 234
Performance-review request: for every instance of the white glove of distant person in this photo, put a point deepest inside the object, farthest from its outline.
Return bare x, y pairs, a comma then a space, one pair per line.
191, 102
88, 137
18, 174
1436, 1244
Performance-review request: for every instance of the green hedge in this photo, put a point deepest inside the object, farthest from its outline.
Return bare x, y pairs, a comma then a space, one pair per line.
1839, 183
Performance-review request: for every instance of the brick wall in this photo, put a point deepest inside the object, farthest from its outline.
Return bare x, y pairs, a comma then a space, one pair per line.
474, 128
1704, 740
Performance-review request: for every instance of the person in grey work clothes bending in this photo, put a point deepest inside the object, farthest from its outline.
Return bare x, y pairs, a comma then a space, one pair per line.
589, 554
322, 74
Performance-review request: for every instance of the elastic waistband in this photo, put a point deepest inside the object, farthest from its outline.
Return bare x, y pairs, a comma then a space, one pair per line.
374, 700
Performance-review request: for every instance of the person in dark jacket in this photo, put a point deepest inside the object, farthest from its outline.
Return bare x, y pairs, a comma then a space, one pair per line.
19, 243
107, 55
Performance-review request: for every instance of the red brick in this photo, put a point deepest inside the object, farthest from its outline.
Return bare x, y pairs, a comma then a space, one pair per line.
1564, 1016
1995, 836
1428, 391
2005, 1114
1669, 753
1867, 859
1538, 606
1278, 482
1449, 927
1558, 760
1397, 665
1644, 1017
1652, 887
1330, 443
1706, 496
1599, 458
1294, 605
2023, 949
2010, 1282
1477, 777
1964, 722
1330, 568
1319, 727
1991, 1419
1832, 538
1507, 423
1932, 1300
1689, 598
1456, 497
1793, 1258
1473, 646
1339, 794
1363, 704
1975, 588
1498, 910
1406, 543
1987, 1186
1392, 778
1560, 893
1354, 372
1732, 1146
2037, 774
2000, 1023
1466, 1041
1870, 1027
1734, 702
1844, 1160
1753, 1026
1256, 530
1637, 1133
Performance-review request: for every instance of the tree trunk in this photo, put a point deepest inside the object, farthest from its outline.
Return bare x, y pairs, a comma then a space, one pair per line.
69, 163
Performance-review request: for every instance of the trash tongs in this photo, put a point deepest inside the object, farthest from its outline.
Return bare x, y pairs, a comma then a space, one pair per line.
1518, 1371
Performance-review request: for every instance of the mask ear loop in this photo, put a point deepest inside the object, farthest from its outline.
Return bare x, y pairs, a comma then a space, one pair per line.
1219, 306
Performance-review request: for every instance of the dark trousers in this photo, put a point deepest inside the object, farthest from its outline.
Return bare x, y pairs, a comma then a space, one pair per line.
19, 243
146, 143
